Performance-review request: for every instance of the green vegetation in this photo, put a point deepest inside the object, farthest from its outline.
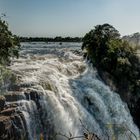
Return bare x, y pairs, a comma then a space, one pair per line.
104, 47
9, 44
56, 39
109, 53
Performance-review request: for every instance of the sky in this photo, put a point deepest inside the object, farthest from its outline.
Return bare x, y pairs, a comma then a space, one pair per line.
50, 18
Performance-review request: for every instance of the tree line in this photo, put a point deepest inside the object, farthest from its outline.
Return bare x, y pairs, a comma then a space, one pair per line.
47, 39
9, 43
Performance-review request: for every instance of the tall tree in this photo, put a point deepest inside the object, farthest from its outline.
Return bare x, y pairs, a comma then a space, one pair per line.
96, 41
9, 43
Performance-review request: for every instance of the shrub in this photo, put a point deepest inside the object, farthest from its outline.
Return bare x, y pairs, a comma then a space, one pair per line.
9, 43
109, 53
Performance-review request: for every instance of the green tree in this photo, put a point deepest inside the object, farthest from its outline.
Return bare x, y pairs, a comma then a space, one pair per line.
96, 41
108, 52
9, 43
105, 48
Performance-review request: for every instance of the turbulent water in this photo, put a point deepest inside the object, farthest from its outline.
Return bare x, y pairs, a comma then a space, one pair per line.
72, 98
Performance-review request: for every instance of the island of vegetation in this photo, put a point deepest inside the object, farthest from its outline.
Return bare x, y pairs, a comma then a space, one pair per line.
117, 64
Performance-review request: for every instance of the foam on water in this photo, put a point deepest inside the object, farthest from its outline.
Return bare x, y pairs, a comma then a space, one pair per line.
71, 92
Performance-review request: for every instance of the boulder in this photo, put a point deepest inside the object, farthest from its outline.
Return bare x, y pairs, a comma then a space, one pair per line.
12, 128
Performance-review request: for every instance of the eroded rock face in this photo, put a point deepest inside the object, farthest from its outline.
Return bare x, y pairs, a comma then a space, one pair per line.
14, 109
133, 101
16, 96
12, 121
2, 102
12, 124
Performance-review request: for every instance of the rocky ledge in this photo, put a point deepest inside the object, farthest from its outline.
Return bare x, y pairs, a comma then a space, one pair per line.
13, 125
133, 101
12, 122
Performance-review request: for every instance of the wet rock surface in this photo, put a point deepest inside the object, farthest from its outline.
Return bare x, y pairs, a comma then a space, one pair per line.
16, 96
12, 124
12, 121
133, 101
2, 102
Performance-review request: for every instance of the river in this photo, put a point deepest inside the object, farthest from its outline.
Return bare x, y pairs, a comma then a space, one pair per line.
64, 94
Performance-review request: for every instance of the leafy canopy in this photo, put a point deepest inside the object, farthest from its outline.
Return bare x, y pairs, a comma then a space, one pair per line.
9, 43
108, 52
105, 48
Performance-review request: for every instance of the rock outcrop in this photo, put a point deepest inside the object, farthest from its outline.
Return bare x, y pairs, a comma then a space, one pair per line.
14, 109
12, 121
133, 101
12, 124
2, 102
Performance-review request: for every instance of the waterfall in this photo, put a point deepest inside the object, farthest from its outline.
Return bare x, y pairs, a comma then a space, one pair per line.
65, 95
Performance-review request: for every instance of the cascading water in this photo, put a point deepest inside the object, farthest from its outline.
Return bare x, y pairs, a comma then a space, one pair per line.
63, 93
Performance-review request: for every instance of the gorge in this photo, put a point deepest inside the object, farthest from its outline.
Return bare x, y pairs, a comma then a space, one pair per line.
56, 91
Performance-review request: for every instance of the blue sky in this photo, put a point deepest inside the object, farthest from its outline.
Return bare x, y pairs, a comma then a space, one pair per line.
69, 17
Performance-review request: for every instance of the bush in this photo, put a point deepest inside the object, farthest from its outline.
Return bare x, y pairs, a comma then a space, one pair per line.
109, 53
9, 43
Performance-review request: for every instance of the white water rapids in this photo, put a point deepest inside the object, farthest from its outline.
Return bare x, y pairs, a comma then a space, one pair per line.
71, 91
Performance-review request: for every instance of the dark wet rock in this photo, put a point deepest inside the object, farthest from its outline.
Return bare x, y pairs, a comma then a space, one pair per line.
8, 112
33, 94
26, 85
78, 52
5, 128
13, 105
12, 125
2, 102
19, 87
12, 121
122, 88
10, 97
136, 112
14, 87
108, 79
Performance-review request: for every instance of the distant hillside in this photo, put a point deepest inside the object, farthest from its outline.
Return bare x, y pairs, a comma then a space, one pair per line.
133, 39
